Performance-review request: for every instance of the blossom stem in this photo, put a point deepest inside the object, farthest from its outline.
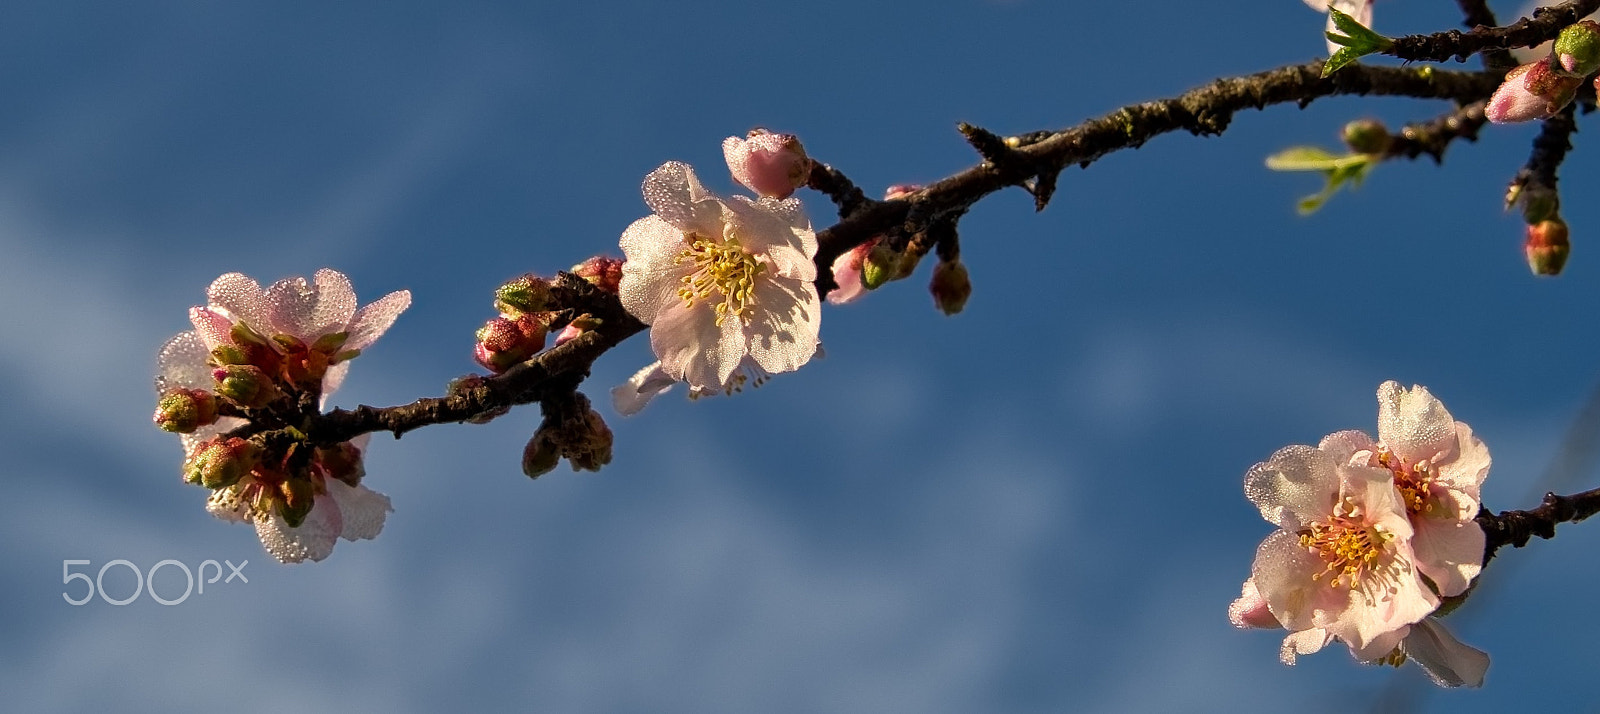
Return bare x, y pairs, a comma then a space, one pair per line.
1515, 528
1432, 137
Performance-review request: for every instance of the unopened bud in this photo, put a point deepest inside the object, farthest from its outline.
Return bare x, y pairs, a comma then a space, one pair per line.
772, 165
296, 497
950, 286
1546, 246
880, 265
1577, 49
1535, 90
228, 354
503, 342
1366, 136
603, 272
590, 445
245, 385
341, 461
529, 293
541, 454
221, 462
901, 190
184, 410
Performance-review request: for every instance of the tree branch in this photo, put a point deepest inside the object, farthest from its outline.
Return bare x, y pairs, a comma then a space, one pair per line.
1476, 14
1546, 23
1432, 137
1515, 528
1203, 111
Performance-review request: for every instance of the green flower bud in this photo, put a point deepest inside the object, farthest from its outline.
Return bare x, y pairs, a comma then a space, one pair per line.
245, 385
529, 293
1577, 49
184, 410
1366, 136
295, 498
1546, 246
221, 462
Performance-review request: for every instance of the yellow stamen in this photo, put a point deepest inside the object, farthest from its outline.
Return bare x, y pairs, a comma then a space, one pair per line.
721, 268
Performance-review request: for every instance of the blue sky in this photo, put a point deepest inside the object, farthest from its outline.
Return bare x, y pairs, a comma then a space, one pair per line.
1033, 506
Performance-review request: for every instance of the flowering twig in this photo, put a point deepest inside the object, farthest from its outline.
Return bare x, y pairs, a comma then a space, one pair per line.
1545, 24
1515, 528
1204, 111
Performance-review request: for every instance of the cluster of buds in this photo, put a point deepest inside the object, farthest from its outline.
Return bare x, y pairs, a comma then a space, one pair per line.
871, 264
519, 332
571, 430
1539, 89
181, 410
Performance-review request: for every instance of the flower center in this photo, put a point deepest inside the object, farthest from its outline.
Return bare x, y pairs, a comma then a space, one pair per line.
1413, 481
720, 268
1351, 548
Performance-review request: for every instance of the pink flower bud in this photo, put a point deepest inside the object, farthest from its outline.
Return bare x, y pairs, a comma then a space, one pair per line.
901, 190
603, 271
772, 165
950, 286
1546, 246
1532, 91
503, 342
847, 273
221, 462
542, 454
184, 410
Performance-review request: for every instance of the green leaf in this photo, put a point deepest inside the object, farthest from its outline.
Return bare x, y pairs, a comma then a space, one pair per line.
1345, 57
1357, 41
1303, 158
1338, 171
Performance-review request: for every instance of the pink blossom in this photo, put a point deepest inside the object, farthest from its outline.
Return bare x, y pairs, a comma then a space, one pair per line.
1532, 91
1437, 466
720, 282
631, 397
340, 510
847, 274
1361, 10
772, 165
1340, 566
295, 336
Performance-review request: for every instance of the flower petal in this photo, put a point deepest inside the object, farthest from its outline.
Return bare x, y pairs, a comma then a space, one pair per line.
631, 396
1296, 486
310, 309
313, 540
362, 510
370, 322
242, 298
778, 230
782, 334
1449, 552
674, 193
1251, 610
1413, 424
1303, 642
692, 346
181, 363
1449, 662
1283, 571
650, 276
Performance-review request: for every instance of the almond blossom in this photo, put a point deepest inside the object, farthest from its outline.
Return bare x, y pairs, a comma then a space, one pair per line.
1340, 566
1361, 10
1438, 467
721, 283
260, 350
